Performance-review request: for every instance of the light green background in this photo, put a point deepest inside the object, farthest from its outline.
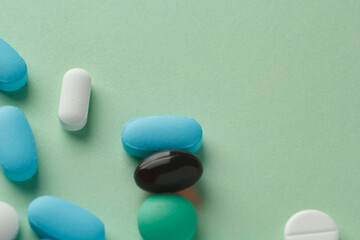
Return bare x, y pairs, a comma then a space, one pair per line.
275, 85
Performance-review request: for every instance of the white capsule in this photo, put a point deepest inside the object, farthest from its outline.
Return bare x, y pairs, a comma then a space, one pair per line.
9, 222
74, 99
311, 225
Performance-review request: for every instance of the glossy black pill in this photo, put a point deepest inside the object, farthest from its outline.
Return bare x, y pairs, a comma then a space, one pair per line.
168, 171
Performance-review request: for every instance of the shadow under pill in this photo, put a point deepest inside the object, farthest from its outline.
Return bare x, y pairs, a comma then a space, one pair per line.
145, 196
201, 153
193, 195
18, 237
28, 186
197, 235
134, 161
18, 95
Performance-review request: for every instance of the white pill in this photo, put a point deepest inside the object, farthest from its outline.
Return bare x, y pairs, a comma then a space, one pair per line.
74, 99
311, 225
9, 222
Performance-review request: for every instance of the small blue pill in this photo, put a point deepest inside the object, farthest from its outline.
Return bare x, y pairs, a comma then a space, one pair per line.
54, 218
18, 157
144, 136
13, 70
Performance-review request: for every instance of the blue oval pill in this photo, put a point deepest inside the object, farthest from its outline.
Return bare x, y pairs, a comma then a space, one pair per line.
144, 136
55, 218
13, 70
18, 157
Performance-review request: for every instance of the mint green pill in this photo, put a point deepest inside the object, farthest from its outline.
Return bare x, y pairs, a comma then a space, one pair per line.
167, 217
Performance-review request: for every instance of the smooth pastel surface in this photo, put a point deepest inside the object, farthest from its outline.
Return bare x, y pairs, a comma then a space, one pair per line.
144, 136
167, 216
56, 218
9, 222
18, 155
13, 70
273, 83
311, 225
75, 99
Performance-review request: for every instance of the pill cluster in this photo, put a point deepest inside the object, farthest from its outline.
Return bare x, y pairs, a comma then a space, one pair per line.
50, 217
166, 143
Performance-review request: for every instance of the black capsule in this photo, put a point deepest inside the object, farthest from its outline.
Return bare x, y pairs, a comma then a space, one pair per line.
168, 171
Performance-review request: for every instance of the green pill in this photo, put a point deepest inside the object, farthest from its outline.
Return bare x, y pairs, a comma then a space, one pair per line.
167, 216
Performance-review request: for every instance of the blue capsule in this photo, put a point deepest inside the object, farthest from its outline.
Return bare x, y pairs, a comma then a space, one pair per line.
144, 136
55, 218
18, 156
13, 70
